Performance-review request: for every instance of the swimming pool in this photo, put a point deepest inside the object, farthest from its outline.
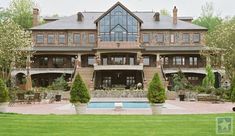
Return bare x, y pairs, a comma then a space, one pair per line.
111, 105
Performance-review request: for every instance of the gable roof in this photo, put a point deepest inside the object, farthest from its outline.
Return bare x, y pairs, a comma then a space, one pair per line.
114, 6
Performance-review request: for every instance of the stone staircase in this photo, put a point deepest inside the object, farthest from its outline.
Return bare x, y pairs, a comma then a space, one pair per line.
149, 73
86, 75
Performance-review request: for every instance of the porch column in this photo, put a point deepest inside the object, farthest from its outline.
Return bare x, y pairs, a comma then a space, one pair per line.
222, 61
28, 85
97, 59
140, 58
158, 61
78, 61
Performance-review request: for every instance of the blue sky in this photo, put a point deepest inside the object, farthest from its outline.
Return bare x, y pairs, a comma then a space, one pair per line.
185, 7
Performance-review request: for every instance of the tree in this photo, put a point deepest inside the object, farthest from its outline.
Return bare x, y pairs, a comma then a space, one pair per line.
13, 38
209, 79
21, 12
4, 95
207, 18
79, 92
156, 91
165, 12
233, 90
179, 81
223, 37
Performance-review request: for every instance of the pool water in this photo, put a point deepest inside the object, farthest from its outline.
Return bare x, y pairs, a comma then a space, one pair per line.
125, 105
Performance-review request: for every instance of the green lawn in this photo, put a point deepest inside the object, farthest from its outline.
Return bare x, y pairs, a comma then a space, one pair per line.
105, 125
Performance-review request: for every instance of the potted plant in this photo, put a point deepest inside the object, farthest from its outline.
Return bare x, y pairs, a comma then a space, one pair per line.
79, 95
4, 96
156, 95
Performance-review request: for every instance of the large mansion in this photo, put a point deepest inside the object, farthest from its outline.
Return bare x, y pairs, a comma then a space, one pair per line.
116, 49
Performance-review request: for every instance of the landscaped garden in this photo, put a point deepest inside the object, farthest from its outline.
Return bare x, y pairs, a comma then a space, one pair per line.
93, 125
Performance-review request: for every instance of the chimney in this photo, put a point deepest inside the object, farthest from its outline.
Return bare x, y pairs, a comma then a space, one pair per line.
175, 15
79, 16
157, 16
35, 16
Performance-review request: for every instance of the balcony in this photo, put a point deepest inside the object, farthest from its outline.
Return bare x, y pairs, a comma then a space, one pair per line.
118, 67
42, 70
118, 45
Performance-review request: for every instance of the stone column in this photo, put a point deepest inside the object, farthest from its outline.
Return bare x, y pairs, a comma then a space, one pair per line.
78, 61
222, 61
158, 60
208, 60
140, 58
97, 58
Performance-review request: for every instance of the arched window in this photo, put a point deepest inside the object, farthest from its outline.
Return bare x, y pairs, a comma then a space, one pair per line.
118, 25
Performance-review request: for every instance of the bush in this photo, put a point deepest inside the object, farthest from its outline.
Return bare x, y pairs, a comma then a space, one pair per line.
59, 84
233, 90
156, 92
79, 91
209, 80
4, 95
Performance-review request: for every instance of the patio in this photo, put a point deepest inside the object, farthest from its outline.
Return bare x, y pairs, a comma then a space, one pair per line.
170, 107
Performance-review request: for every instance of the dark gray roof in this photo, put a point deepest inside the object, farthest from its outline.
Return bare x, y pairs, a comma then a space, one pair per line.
71, 23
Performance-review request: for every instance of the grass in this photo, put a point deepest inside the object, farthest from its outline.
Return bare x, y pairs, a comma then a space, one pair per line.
109, 125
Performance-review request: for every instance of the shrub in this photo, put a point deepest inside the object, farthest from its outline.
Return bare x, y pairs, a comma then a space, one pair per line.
233, 90
156, 92
4, 95
79, 91
209, 80
59, 84
180, 82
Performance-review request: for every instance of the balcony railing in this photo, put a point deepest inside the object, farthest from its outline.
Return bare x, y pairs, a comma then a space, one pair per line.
118, 67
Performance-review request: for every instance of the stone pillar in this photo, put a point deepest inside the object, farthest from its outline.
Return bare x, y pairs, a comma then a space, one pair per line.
222, 61
78, 61
140, 60
97, 58
158, 60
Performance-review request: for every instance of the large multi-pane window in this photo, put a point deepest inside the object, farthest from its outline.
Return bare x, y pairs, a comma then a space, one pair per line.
118, 25
77, 38
193, 61
39, 38
186, 38
146, 38
43, 61
146, 60
50, 38
58, 62
61, 38
196, 38
178, 60
160, 38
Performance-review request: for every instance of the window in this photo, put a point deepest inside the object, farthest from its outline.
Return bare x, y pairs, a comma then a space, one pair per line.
178, 60
106, 81
40, 38
166, 61
58, 62
119, 60
91, 60
130, 81
186, 38
84, 39
61, 38
50, 38
146, 60
196, 38
43, 61
118, 25
172, 38
132, 61
105, 61
160, 38
76, 38
192, 78
193, 61
91, 38
146, 38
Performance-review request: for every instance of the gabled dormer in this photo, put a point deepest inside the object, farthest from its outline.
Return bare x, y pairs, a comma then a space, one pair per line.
118, 24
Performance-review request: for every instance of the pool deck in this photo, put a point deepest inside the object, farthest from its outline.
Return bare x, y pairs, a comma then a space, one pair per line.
170, 107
